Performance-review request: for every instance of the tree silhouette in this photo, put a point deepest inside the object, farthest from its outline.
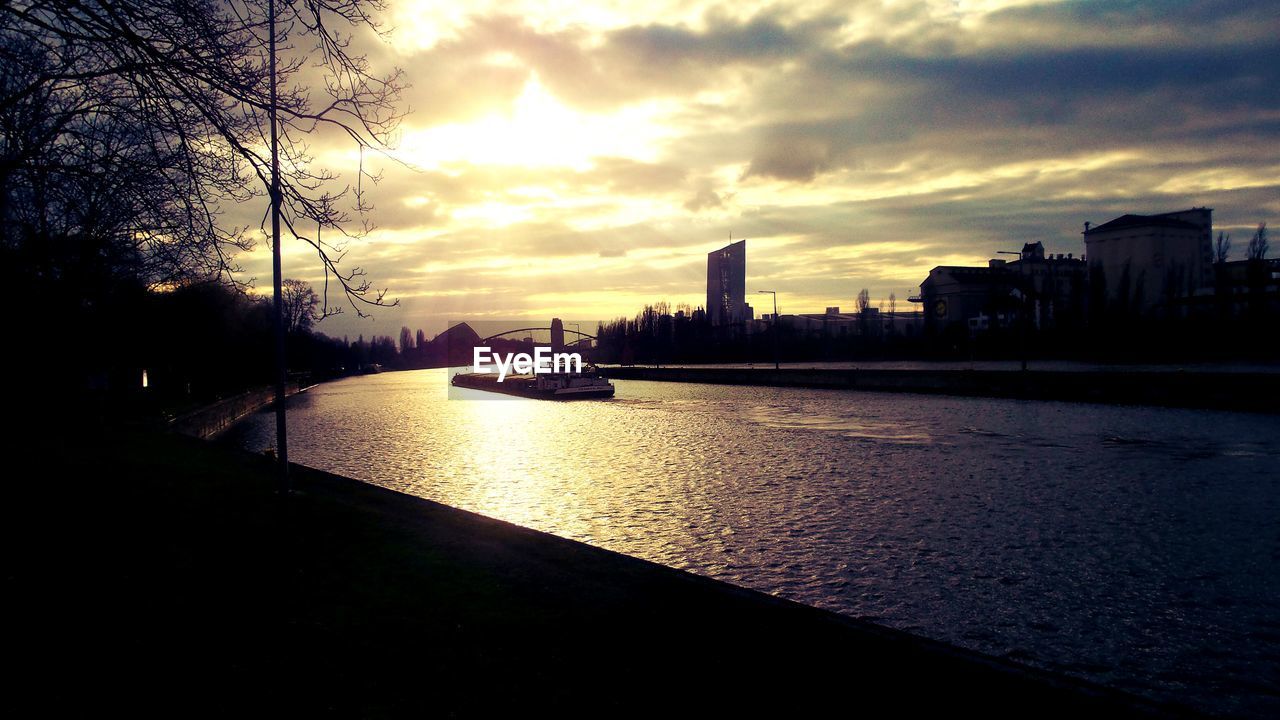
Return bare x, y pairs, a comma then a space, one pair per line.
1259, 245
1222, 248
132, 127
406, 342
300, 305
1257, 274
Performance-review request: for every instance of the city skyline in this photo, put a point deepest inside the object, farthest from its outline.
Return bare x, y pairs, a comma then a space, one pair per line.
583, 161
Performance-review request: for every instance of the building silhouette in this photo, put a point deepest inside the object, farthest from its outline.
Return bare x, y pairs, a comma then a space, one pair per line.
1139, 274
870, 324
1150, 265
1047, 292
557, 335
1055, 288
727, 286
1242, 289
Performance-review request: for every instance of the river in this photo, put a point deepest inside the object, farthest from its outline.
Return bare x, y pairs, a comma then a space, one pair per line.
1136, 547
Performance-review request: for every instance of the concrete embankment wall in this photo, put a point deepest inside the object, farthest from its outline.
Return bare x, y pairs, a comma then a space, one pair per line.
1256, 392
210, 420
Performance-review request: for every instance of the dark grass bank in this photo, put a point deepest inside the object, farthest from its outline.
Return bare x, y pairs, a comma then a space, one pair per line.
155, 574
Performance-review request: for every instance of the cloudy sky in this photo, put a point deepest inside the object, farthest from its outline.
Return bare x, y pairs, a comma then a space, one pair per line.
580, 159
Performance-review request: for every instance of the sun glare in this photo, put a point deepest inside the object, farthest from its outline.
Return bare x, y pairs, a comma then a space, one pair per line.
539, 131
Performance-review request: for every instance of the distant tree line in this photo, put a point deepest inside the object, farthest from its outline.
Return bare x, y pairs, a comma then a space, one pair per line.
1238, 318
661, 334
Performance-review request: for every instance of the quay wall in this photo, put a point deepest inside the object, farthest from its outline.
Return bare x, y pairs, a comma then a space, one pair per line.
1255, 392
208, 421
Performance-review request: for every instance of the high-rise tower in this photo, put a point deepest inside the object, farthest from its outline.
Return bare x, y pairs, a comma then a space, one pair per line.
727, 284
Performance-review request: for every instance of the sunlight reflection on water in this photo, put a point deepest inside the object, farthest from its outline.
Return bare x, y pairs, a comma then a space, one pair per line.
1137, 547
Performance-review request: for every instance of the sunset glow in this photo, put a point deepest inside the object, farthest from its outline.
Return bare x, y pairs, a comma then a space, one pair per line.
501, 358
592, 154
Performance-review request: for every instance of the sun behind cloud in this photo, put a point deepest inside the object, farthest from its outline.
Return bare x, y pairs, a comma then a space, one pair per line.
592, 153
538, 131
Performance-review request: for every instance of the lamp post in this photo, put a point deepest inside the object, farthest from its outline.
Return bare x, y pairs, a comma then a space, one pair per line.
776, 365
282, 441
1026, 309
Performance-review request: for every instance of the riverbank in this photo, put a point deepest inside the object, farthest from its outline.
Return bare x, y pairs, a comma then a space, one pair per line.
210, 420
1247, 391
162, 574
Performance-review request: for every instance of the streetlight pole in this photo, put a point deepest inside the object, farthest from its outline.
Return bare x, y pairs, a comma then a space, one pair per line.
776, 365
282, 443
1026, 308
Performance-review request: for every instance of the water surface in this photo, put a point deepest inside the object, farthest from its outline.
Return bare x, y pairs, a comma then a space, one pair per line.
1136, 547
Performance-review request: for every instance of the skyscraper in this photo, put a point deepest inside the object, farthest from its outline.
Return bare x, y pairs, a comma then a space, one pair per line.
727, 284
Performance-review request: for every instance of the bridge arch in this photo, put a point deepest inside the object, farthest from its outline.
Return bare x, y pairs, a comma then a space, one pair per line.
528, 329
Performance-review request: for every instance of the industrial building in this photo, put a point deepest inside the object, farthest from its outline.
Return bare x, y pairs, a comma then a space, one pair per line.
1150, 265
1048, 291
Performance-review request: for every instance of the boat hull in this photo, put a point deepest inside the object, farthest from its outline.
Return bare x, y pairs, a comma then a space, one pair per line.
527, 386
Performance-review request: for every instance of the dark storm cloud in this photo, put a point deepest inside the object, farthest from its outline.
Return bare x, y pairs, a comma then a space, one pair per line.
1076, 73
1192, 20
1038, 99
762, 38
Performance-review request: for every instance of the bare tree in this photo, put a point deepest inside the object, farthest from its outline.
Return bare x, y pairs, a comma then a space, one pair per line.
166, 103
89, 188
1259, 245
301, 305
1222, 248
864, 311
864, 301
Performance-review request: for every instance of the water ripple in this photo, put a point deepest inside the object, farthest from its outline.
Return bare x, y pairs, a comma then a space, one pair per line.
1136, 547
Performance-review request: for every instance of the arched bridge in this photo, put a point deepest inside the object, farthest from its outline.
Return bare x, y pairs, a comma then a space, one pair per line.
567, 331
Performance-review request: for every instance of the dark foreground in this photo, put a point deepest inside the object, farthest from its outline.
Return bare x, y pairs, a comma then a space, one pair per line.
157, 574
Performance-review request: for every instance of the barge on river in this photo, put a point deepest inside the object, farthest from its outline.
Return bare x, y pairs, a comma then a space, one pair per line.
543, 386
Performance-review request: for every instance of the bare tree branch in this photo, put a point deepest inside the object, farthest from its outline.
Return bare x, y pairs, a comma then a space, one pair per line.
133, 126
